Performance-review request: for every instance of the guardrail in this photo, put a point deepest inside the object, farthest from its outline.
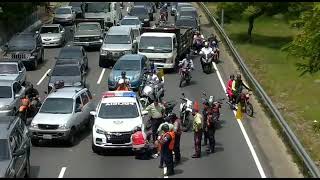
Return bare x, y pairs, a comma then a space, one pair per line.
295, 143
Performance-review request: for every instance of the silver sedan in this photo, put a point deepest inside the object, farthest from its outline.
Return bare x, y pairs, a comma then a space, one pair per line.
52, 35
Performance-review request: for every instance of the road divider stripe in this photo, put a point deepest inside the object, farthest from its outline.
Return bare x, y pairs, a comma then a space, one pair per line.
63, 170
246, 137
101, 75
44, 76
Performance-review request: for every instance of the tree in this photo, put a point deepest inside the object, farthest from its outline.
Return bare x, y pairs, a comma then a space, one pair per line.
306, 44
252, 10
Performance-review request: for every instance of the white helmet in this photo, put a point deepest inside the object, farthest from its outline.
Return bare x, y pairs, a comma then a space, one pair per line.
121, 81
210, 101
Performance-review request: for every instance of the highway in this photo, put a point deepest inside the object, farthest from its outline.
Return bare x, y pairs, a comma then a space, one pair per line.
236, 155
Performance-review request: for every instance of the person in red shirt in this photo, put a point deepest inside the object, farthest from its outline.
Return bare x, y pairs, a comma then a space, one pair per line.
140, 145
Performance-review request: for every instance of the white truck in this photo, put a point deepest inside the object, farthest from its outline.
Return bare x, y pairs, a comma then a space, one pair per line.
109, 11
165, 46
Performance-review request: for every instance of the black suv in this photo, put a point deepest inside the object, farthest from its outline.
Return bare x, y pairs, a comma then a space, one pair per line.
26, 47
15, 145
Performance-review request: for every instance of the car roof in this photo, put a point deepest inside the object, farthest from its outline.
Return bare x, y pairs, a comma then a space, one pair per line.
51, 25
119, 30
6, 82
118, 99
133, 57
66, 92
188, 8
88, 23
4, 124
186, 18
156, 34
130, 17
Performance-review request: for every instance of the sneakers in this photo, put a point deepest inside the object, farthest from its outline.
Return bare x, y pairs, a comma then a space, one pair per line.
155, 156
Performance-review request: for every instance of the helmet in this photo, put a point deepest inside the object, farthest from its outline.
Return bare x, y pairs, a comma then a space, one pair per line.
123, 73
210, 101
232, 76
206, 44
165, 128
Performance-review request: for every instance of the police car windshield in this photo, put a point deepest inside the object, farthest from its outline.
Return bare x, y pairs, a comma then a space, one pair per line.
4, 150
118, 110
57, 106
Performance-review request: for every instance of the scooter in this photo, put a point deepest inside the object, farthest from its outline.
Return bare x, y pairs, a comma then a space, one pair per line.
184, 76
150, 92
185, 111
206, 62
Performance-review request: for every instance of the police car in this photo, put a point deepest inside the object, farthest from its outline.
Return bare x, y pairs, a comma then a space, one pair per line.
116, 116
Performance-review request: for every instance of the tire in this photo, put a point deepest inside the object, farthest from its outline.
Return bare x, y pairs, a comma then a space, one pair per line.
95, 149
249, 109
35, 142
186, 123
42, 56
72, 138
34, 65
89, 124
27, 169
180, 84
102, 64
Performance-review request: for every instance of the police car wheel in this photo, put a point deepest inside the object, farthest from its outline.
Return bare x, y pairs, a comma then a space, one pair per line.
72, 138
95, 149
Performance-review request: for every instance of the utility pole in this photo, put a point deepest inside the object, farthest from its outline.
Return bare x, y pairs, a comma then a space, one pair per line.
222, 14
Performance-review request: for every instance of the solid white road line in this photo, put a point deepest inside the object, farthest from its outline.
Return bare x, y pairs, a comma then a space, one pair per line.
165, 172
246, 137
101, 75
63, 170
44, 76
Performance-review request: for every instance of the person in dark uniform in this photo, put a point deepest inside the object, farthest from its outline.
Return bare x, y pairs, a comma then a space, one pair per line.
167, 145
204, 125
197, 129
212, 123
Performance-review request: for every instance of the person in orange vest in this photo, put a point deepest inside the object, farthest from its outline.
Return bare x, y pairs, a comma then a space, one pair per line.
122, 86
167, 146
140, 145
25, 102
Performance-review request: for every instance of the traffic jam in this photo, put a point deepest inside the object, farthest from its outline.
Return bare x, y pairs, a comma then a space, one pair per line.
53, 109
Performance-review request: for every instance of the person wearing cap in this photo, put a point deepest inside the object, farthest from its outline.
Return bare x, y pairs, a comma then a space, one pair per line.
140, 144
167, 146
197, 129
161, 132
156, 112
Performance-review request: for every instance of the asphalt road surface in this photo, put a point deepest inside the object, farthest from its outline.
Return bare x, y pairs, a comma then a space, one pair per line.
233, 157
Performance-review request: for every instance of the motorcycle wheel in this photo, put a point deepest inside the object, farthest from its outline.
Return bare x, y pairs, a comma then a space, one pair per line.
181, 80
249, 109
186, 124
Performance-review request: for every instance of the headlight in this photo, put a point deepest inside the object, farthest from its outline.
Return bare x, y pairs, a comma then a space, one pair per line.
146, 20
63, 126
99, 130
33, 125
3, 108
32, 57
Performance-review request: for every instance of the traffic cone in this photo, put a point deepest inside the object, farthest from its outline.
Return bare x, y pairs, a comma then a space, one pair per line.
239, 114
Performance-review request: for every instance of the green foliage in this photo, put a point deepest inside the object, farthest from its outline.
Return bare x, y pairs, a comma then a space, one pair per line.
306, 45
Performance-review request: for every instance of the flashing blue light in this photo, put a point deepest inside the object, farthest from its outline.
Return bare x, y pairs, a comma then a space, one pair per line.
118, 94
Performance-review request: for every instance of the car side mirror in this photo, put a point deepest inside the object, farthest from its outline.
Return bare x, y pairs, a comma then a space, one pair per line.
93, 113
144, 113
19, 152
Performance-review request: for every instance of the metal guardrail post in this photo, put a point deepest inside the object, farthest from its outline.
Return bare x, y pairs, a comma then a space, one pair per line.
294, 141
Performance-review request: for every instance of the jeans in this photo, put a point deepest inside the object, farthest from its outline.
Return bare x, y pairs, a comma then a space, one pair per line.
155, 123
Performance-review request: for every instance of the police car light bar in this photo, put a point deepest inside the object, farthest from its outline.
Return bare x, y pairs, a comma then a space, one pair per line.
118, 94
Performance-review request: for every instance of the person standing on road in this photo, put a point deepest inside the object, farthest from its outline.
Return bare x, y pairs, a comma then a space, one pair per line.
197, 129
160, 133
167, 146
177, 133
212, 123
156, 111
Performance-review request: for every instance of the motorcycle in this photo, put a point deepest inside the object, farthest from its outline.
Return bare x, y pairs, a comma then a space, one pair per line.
206, 62
184, 76
197, 45
169, 105
214, 46
27, 111
185, 111
213, 108
245, 104
150, 92
162, 19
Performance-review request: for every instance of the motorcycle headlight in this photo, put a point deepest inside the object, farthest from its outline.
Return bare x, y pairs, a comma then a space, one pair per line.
33, 125
3, 108
63, 126
99, 130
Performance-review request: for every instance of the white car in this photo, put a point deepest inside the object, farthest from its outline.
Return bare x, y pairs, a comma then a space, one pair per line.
52, 35
116, 116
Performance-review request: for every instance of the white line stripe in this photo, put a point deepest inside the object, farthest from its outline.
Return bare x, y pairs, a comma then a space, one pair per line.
165, 172
246, 137
101, 75
63, 170
44, 76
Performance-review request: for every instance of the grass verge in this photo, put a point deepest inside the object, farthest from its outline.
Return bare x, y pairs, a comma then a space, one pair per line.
296, 97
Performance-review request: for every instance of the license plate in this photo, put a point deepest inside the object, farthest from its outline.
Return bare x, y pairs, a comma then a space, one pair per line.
47, 136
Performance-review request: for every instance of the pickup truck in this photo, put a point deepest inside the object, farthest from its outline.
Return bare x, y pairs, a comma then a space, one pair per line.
165, 46
89, 32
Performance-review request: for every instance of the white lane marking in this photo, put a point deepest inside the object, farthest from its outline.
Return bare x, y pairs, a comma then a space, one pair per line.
63, 170
127, 9
44, 76
246, 137
101, 75
165, 172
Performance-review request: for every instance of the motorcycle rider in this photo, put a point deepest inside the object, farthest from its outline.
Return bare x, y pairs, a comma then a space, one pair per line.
237, 87
214, 42
198, 40
164, 11
206, 50
123, 81
187, 63
122, 86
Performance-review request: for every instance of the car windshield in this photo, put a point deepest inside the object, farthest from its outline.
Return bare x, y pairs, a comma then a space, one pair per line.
186, 22
179, 6
57, 106
139, 11
4, 150
66, 71
117, 39
127, 65
97, 7
67, 53
21, 44
115, 110
88, 27
63, 11
49, 30
8, 69
130, 22
5, 92
155, 44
